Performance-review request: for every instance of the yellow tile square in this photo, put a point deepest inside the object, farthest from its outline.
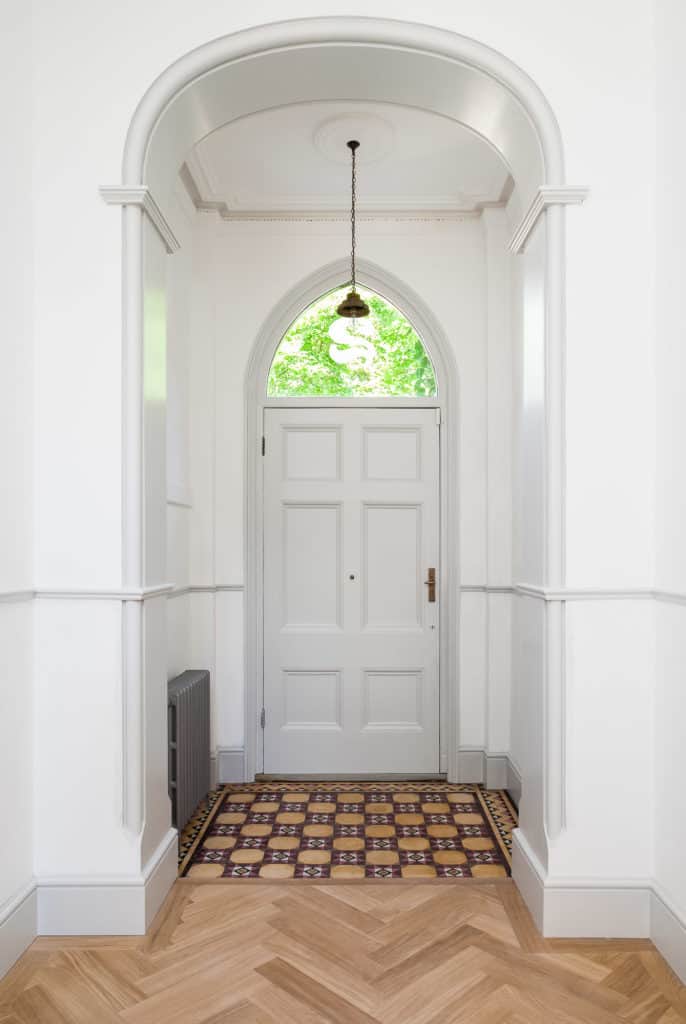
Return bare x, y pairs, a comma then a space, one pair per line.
314, 856
277, 870
382, 857
249, 856
418, 871
488, 871
290, 818
231, 818
478, 844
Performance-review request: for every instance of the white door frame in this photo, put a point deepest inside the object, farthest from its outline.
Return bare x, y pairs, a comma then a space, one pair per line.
446, 401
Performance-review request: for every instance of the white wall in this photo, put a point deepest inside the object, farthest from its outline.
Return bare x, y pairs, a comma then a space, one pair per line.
670, 711
246, 269
16, 441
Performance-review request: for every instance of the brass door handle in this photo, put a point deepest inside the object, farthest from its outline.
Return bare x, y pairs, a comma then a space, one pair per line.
431, 584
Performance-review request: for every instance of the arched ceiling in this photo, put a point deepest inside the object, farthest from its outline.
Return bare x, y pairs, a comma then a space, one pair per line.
351, 72
294, 159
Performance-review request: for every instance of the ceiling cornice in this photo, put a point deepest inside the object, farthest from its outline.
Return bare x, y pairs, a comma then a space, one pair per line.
406, 212
119, 195
562, 195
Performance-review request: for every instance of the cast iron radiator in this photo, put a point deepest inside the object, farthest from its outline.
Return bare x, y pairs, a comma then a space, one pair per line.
188, 719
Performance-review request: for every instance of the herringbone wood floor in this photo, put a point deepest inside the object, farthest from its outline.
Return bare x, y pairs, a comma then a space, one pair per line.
349, 954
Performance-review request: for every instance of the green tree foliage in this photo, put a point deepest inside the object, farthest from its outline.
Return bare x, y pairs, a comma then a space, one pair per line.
381, 355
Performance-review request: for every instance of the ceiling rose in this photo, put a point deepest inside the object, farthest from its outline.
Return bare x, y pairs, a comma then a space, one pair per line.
375, 135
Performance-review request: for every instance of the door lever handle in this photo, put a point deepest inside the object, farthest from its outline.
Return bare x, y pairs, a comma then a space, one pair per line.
431, 584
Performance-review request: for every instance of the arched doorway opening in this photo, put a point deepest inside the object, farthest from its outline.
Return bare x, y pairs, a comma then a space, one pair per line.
395, 63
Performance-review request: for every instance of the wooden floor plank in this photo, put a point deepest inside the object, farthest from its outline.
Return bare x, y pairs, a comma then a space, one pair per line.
311, 993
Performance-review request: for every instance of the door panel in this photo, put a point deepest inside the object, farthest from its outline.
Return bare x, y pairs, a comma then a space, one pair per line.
391, 567
311, 575
351, 527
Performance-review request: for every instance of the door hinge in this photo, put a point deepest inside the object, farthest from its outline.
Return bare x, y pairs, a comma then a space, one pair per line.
263, 718
264, 444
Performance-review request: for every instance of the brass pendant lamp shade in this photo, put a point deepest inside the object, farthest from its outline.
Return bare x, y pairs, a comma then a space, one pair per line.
353, 306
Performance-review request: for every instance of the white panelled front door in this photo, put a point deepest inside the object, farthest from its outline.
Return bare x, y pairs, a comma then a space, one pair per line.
351, 529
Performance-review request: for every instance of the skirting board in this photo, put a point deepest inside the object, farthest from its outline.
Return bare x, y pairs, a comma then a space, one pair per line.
513, 782
18, 926
668, 931
230, 765
602, 908
108, 906
495, 771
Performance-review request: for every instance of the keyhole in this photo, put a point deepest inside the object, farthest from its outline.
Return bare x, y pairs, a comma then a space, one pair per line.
352, 576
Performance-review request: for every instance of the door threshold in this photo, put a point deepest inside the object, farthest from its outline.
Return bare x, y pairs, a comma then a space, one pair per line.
354, 777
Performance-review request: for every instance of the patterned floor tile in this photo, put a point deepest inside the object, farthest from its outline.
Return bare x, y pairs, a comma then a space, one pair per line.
331, 830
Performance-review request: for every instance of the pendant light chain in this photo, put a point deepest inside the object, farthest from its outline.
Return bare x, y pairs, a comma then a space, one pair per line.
353, 306
352, 212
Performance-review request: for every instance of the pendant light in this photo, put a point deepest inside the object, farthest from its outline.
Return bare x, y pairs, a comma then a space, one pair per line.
353, 306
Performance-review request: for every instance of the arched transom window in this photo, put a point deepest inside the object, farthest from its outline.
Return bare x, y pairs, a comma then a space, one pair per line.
322, 354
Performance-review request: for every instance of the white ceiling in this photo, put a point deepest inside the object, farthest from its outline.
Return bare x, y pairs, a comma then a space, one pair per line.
294, 159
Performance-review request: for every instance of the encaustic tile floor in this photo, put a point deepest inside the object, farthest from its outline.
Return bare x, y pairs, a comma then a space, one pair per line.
344, 831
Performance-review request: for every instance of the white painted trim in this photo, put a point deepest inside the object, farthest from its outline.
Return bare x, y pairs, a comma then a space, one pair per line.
159, 874
178, 494
426, 216
18, 925
118, 195
580, 907
86, 904
557, 594
15, 596
470, 765
569, 907
566, 195
104, 593
108, 905
486, 588
492, 769
513, 782
230, 766
523, 589
415, 214
194, 180
668, 930
206, 588
528, 874
495, 771
670, 596
447, 400
132, 511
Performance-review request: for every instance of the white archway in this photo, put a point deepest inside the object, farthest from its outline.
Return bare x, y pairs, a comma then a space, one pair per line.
277, 64
447, 378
